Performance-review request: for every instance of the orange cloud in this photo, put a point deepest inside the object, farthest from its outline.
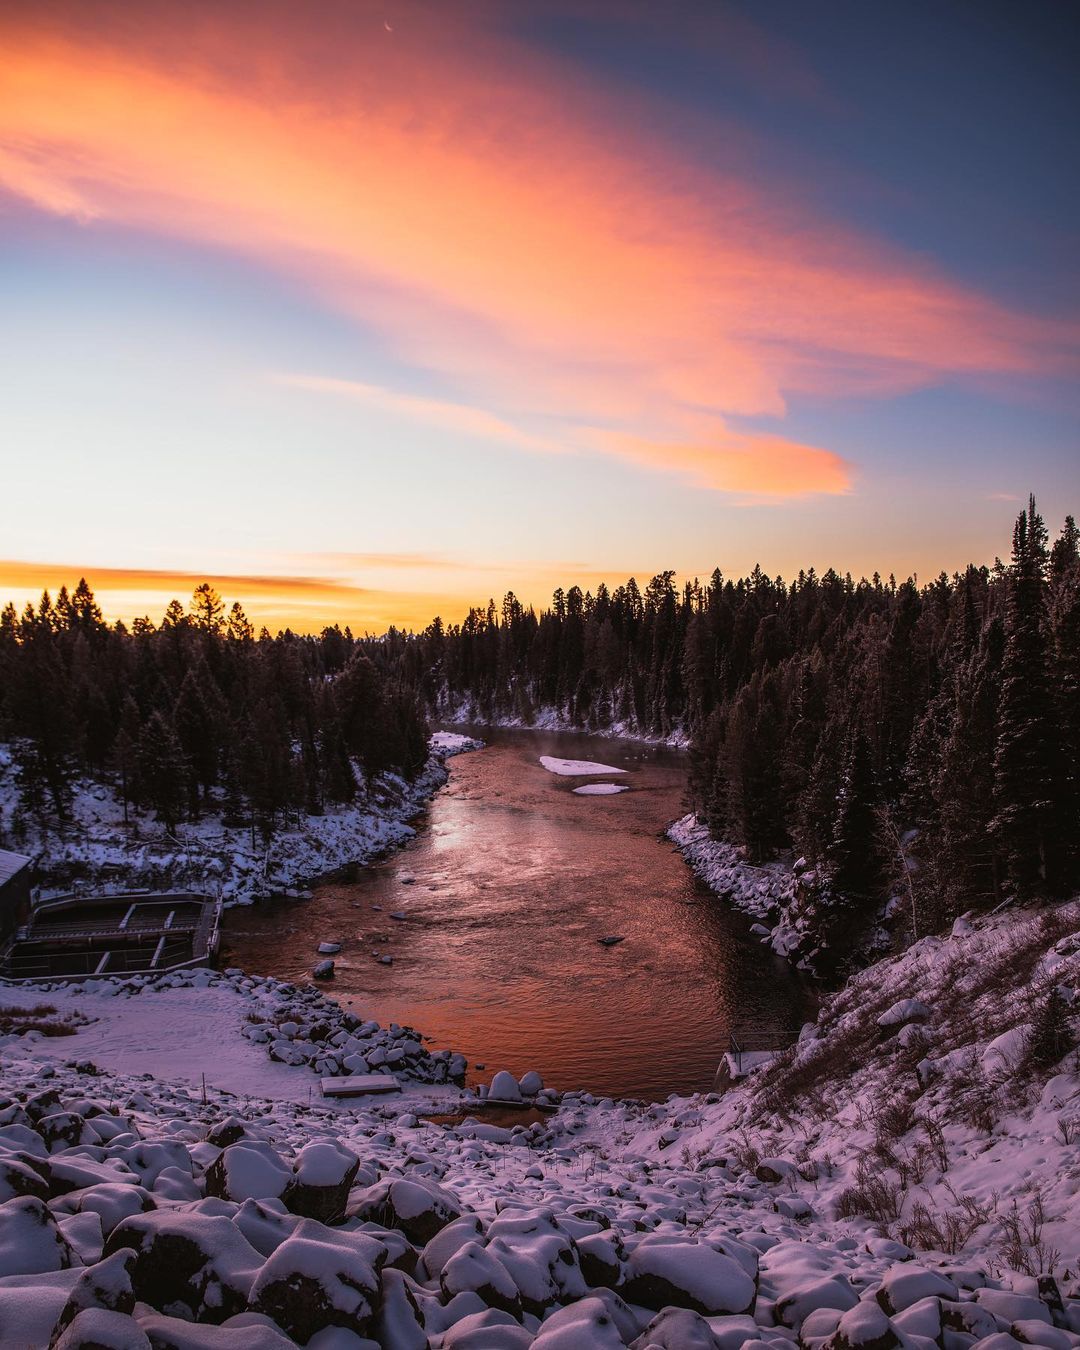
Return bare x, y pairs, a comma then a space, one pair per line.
484, 212
754, 466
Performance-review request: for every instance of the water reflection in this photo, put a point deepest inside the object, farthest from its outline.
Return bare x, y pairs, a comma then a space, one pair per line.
510, 882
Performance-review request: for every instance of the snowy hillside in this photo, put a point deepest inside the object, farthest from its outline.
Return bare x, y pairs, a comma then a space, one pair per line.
907, 1176
97, 850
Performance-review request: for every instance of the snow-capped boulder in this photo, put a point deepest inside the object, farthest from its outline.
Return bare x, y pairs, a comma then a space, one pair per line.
905, 1284
504, 1087
20, 1178
447, 1241
31, 1242
584, 1323
319, 1188
775, 1169
904, 1011
245, 1331
320, 1278
248, 1170
100, 1329
531, 1083
111, 1201
489, 1329
794, 1306
677, 1329
105, 1285
418, 1207
687, 1275
185, 1258
1011, 1307
864, 1327
473, 1269
602, 1258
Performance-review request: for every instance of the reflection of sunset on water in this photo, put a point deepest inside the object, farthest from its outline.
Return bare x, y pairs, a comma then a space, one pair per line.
508, 887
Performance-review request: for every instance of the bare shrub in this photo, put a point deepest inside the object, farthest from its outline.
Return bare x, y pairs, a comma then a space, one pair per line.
41, 1017
1069, 1128
1022, 1246
745, 1152
895, 1118
936, 1142
947, 1230
874, 1196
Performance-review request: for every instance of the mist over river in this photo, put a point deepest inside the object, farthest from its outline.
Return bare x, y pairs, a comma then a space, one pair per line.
510, 881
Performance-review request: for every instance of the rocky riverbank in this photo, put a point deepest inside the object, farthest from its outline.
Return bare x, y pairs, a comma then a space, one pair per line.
906, 1176
97, 851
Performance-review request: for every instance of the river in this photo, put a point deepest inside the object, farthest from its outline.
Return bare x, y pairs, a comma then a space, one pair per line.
510, 881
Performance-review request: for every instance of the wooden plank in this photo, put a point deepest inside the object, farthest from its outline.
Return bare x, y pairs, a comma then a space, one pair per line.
359, 1084
127, 917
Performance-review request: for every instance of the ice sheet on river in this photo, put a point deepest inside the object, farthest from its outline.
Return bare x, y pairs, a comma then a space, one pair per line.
576, 768
600, 789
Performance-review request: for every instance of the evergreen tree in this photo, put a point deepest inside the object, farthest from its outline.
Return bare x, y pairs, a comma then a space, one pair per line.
1024, 768
161, 771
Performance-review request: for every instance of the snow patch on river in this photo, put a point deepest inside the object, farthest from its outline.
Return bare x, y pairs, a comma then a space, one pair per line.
576, 768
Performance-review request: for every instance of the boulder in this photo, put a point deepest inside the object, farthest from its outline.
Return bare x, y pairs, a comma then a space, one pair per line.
677, 1329
487, 1330
687, 1275
322, 1175
245, 1331
904, 1011
796, 1304
31, 1243
474, 1269
106, 1285
585, 1323
865, 1326
99, 1329
248, 1170
185, 1258
504, 1087
908, 1283
320, 1278
112, 1202
419, 1208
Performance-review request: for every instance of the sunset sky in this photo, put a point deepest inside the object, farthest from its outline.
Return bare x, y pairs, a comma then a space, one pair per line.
370, 311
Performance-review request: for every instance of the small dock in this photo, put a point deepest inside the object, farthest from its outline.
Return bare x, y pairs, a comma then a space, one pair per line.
360, 1085
79, 937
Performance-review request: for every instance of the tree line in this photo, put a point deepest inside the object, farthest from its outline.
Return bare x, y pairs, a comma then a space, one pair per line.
196, 714
921, 741
897, 739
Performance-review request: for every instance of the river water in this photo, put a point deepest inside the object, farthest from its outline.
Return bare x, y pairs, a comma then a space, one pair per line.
510, 881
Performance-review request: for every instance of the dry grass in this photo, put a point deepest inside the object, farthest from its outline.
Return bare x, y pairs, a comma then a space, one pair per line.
41, 1017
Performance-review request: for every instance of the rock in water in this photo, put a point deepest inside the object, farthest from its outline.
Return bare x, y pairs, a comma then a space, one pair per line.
329, 948
611, 941
504, 1087
324, 970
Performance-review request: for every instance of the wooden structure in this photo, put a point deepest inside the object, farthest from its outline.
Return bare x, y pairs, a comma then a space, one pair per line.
78, 937
359, 1085
15, 871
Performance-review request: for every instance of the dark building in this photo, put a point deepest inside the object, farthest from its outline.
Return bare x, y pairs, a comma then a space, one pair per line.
14, 892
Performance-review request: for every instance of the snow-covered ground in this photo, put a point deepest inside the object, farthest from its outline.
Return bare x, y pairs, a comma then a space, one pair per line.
96, 849
463, 712
904, 1177
766, 893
